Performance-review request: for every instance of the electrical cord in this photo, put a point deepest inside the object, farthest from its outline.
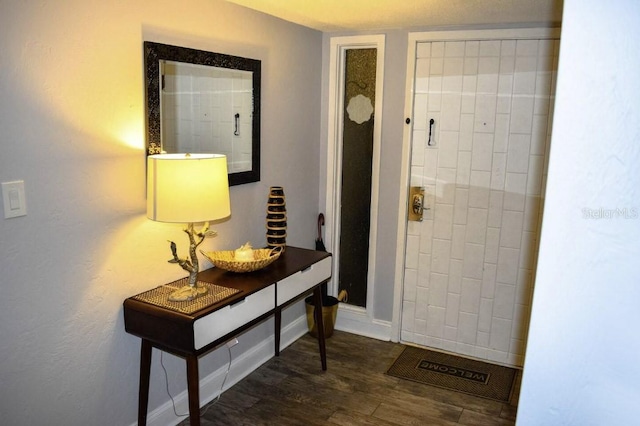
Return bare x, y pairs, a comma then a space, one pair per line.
166, 381
173, 402
226, 374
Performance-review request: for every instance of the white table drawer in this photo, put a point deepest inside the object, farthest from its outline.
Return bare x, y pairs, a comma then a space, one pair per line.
299, 282
218, 323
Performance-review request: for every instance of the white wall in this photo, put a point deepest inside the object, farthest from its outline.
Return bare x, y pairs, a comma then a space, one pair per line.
72, 127
581, 364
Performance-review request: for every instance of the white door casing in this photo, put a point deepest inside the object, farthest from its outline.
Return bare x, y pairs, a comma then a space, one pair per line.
351, 318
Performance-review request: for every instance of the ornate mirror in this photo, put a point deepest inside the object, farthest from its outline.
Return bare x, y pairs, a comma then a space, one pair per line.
204, 102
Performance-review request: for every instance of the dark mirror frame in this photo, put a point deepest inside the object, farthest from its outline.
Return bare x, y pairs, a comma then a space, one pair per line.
155, 52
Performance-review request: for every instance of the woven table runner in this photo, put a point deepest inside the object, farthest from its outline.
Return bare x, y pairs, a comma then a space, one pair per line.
159, 296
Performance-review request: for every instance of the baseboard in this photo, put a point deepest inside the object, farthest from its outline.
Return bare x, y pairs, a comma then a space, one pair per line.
353, 319
242, 365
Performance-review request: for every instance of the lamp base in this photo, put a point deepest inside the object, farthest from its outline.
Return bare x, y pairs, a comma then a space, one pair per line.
187, 293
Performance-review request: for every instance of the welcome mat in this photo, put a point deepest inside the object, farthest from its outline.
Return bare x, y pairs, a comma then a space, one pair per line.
454, 372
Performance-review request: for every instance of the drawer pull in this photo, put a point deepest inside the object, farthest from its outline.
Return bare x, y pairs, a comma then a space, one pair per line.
237, 313
302, 281
238, 302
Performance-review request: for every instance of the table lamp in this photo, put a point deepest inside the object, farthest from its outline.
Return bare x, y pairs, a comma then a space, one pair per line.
188, 188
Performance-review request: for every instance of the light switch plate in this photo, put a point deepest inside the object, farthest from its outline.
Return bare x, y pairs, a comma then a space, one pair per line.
13, 199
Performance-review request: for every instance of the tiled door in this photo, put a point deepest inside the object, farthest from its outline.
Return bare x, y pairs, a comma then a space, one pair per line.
469, 264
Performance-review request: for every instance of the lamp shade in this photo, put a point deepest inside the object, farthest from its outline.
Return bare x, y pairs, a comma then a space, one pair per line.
187, 188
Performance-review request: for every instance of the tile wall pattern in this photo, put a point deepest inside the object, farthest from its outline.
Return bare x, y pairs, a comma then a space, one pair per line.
469, 266
199, 106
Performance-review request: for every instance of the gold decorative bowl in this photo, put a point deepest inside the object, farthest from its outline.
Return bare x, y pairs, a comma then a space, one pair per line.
226, 259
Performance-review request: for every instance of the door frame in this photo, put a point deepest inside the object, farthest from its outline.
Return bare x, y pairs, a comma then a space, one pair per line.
413, 39
351, 317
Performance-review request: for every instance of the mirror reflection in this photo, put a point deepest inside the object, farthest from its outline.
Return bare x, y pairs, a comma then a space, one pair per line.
201, 101
207, 109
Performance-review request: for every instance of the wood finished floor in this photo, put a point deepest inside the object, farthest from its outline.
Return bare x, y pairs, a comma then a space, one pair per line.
293, 390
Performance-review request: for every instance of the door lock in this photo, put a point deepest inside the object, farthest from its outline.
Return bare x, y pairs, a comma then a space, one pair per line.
416, 203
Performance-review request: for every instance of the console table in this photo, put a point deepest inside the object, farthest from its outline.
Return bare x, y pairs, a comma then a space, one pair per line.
297, 273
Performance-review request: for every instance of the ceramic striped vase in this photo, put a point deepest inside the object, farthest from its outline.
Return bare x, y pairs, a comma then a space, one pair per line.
276, 218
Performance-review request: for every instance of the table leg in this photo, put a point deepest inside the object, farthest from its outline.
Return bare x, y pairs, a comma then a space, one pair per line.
317, 296
143, 392
278, 320
193, 387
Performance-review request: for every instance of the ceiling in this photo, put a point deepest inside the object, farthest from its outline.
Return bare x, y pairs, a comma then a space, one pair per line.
362, 15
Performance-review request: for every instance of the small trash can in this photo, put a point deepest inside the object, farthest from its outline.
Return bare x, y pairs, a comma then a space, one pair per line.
329, 312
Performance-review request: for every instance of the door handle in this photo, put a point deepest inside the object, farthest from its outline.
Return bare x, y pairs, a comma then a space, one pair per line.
431, 123
418, 200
